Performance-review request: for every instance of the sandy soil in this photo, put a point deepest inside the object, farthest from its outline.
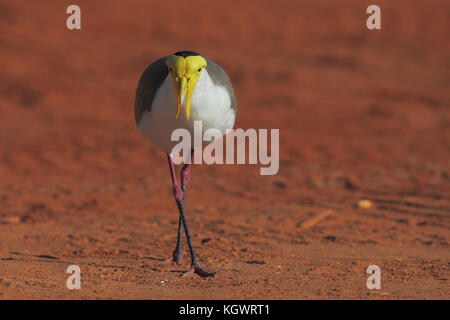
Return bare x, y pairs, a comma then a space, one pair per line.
362, 115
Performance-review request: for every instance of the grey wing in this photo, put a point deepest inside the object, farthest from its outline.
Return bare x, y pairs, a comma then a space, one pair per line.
150, 81
220, 77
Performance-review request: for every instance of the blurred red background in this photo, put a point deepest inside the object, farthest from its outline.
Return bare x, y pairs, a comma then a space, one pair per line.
362, 114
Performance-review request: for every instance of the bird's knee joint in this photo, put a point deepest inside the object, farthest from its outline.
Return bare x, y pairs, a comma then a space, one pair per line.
185, 175
178, 193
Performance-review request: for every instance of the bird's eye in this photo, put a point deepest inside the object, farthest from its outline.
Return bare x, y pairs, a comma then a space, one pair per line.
199, 70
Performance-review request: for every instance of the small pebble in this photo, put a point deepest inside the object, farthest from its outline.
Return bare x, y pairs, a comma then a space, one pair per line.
365, 204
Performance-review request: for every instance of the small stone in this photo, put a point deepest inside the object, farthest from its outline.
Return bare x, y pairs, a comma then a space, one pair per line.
365, 204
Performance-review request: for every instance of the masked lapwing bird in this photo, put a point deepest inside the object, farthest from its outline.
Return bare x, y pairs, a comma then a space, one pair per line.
174, 92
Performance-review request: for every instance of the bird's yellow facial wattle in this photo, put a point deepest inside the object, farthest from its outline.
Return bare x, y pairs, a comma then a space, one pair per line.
185, 73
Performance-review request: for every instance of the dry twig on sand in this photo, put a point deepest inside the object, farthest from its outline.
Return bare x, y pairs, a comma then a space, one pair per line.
313, 220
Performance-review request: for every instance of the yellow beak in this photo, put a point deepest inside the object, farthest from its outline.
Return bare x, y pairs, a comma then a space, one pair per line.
183, 92
185, 72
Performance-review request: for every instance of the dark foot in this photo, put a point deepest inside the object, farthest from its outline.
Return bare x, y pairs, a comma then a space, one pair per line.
176, 257
198, 270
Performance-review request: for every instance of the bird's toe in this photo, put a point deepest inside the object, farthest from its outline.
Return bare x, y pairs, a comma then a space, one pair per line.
200, 271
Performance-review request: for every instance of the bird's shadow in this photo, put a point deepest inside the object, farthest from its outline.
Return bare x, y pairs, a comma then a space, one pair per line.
163, 261
181, 272
41, 257
154, 259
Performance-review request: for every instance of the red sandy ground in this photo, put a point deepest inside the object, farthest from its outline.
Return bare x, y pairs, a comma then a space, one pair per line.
362, 115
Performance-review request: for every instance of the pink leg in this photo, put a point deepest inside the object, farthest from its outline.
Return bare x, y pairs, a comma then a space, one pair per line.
177, 192
177, 255
185, 173
179, 198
